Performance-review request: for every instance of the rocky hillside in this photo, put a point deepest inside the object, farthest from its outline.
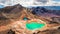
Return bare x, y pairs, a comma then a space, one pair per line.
41, 10
47, 14
10, 12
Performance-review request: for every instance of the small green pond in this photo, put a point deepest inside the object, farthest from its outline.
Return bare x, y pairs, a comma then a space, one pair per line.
25, 18
34, 25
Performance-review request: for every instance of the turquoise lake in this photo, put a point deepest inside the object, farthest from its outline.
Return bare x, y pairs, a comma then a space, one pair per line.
34, 25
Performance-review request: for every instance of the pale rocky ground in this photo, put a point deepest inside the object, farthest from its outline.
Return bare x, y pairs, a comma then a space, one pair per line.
20, 28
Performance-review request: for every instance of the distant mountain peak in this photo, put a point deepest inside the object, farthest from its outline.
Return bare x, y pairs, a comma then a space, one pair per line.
18, 6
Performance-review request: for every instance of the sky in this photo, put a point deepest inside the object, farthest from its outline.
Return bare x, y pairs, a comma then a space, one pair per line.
27, 3
56, 0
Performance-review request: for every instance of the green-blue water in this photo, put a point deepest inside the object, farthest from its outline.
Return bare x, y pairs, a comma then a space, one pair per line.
25, 18
34, 25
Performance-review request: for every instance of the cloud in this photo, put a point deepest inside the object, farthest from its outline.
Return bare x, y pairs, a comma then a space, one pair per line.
42, 1
29, 2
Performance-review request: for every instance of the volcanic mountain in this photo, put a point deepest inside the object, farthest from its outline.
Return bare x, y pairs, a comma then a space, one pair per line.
46, 13
11, 14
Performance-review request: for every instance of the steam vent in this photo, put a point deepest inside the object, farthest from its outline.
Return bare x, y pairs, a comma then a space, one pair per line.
21, 20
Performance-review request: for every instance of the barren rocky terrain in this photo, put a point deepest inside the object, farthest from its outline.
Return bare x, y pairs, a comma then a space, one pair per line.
11, 20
